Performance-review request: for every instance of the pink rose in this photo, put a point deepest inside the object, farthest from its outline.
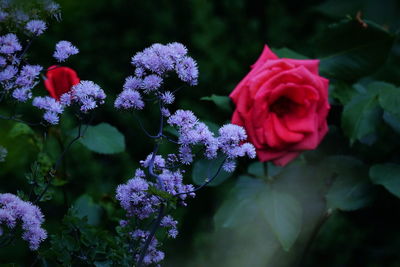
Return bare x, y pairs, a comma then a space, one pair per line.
283, 105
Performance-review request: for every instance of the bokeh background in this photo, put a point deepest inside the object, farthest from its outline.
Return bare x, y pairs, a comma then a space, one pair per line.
225, 37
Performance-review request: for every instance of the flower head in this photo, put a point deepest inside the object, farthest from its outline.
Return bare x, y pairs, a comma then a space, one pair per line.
64, 50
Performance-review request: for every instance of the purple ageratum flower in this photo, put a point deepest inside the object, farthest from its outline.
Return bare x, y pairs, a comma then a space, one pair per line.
64, 50
28, 75
159, 161
13, 210
132, 83
231, 136
187, 70
167, 98
8, 73
135, 199
165, 112
52, 107
229, 166
173, 183
182, 118
36, 27
87, 94
9, 44
169, 222
129, 99
3, 61
153, 255
151, 83
22, 94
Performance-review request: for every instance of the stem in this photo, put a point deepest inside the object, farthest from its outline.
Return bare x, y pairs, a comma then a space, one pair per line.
151, 235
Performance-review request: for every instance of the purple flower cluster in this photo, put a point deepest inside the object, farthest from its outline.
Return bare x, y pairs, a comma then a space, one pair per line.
36, 27
86, 94
152, 65
52, 107
64, 50
192, 132
13, 210
153, 255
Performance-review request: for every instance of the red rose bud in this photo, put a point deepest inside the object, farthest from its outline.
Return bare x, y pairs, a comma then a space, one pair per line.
59, 80
283, 105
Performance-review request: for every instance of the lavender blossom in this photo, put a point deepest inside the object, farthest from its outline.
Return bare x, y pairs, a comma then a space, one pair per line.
8, 73
132, 83
13, 210
22, 94
28, 75
153, 255
52, 107
129, 99
3, 15
9, 44
64, 50
151, 83
167, 98
36, 27
87, 94
187, 70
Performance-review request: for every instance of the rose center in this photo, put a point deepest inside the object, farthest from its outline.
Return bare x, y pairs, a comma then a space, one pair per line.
283, 106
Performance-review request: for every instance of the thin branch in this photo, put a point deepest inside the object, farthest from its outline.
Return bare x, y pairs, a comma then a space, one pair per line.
151, 235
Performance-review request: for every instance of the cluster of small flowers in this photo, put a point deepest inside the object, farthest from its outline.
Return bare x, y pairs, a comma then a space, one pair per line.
136, 198
13, 209
11, 11
192, 132
86, 94
152, 65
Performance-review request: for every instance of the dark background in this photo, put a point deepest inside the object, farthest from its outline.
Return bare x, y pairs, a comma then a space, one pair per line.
225, 37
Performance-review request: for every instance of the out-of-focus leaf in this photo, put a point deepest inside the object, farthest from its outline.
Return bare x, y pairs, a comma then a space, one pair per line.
284, 214
342, 92
3, 153
204, 169
242, 204
351, 50
285, 52
103, 138
20, 129
351, 188
392, 121
84, 206
387, 175
361, 116
256, 169
223, 102
389, 98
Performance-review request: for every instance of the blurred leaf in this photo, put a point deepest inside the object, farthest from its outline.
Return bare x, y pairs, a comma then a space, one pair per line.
351, 188
361, 116
392, 121
206, 169
84, 206
256, 169
3, 154
285, 52
284, 214
103, 263
242, 203
342, 92
388, 175
351, 51
223, 102
103, 138
21, 129
389, 99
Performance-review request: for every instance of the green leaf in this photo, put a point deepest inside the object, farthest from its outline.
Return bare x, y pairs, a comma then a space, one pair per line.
361, 116
204, 169
256, 169
85, 207
242, 204
21, 129
388, 175
351, 51
342, 92
285, 52
351, 188
223, 102
284, 215
103, 138
389, 99
392, 121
